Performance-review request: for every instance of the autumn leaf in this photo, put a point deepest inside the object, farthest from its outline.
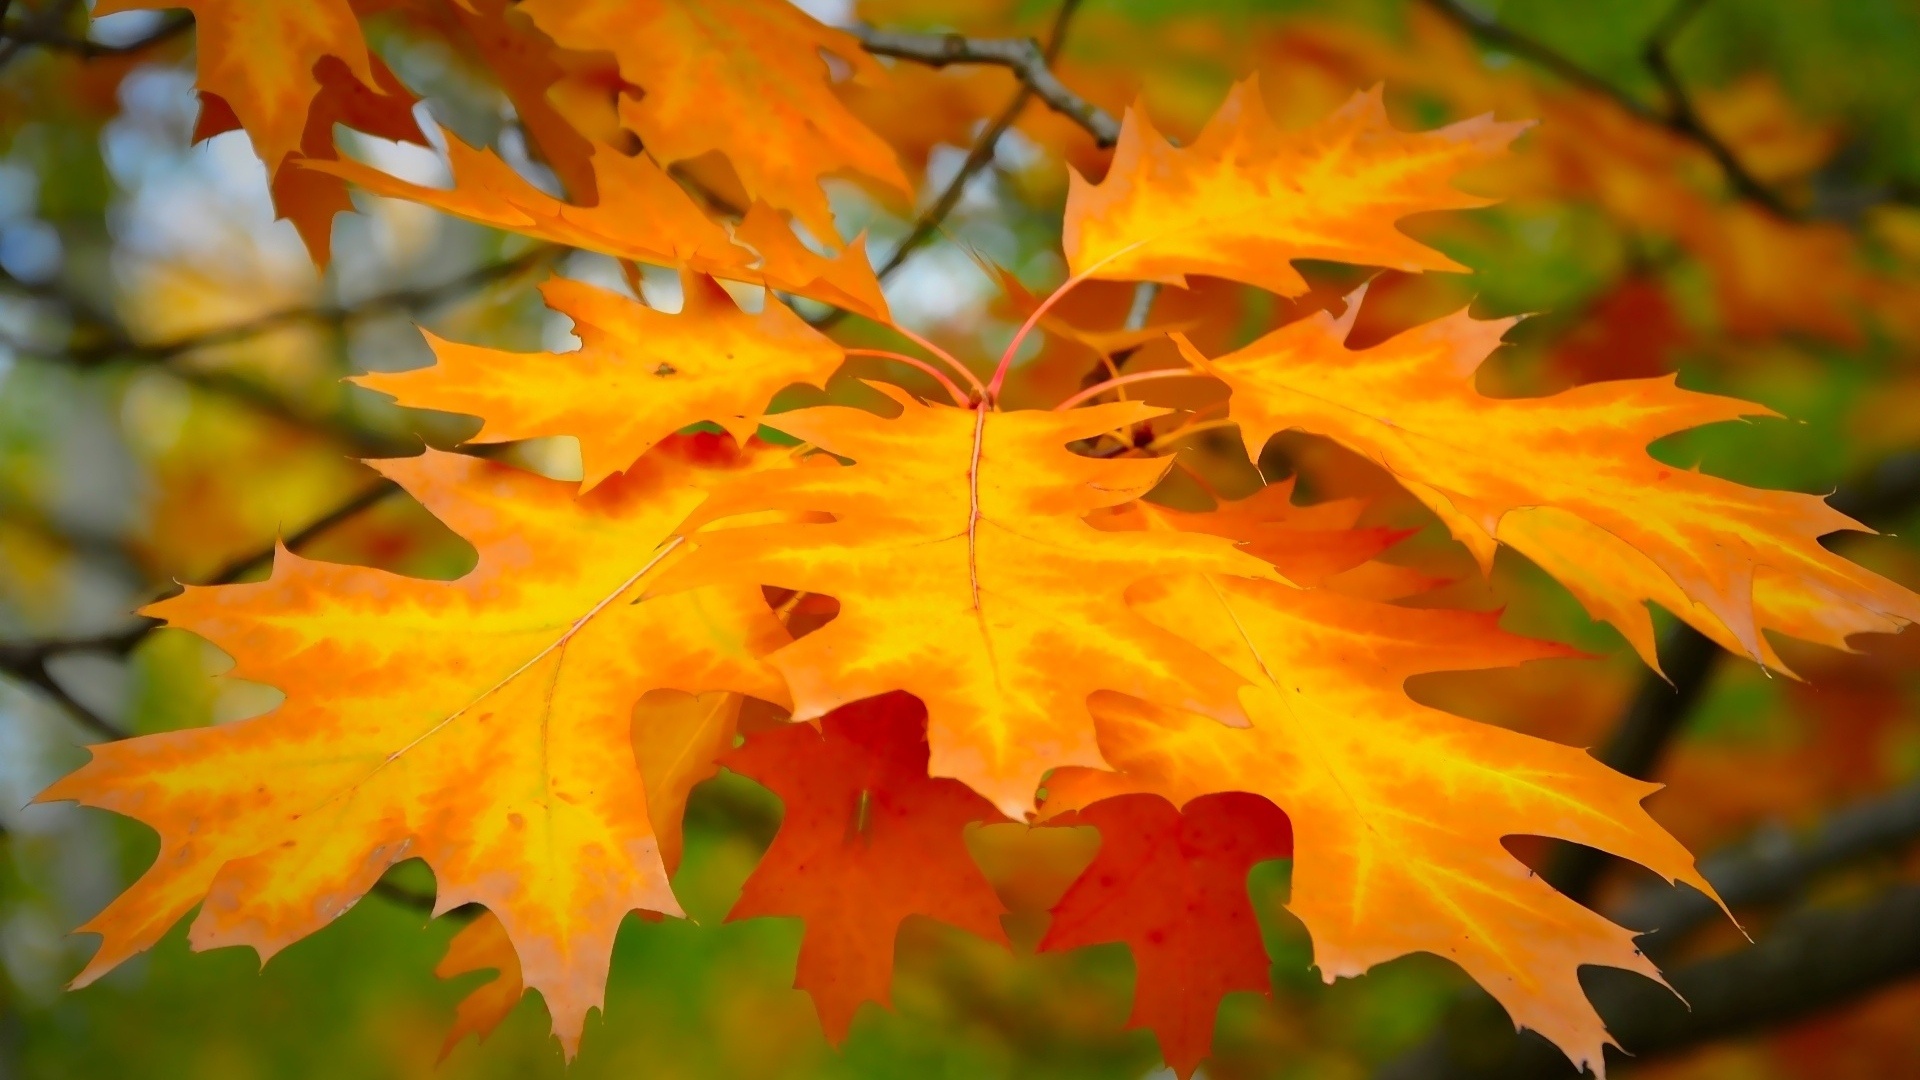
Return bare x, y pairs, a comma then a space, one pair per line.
639, 375
1398, 810
479, 724
678, 740
1172, 884
307, 198
672, 232
500, 42
744, 78
287, 73
967, 578
868, 839
1566, 480
258, 57
1245, 200
1307, 544
481, 946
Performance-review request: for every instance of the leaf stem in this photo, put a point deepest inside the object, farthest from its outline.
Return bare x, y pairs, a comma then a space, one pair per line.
1127, 380
939, 376
942, 355
1033, 320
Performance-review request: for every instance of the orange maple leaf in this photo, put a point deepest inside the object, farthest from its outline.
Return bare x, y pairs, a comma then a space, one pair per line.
744, 78
287, 73
1172, 884
1245, 199
481, 945
307, 198
484, 751
966, 577
638, 376
868, 839
673, 231
1398, 810
1566, 480
1307, 544
259, 57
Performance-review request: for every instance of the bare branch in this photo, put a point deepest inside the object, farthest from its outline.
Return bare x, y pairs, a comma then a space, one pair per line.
1679, 116
1655, 715
981, 153
1022, 56
28, 661
1809, 962
1775, 865
409, 299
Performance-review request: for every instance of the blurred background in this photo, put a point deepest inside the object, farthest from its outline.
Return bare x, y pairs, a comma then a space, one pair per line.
1724, 189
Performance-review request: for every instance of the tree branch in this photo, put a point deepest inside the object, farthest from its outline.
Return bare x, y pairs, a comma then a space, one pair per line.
982, 150
1774, 865
27, 33
1022, 56
413, 298
1661, 706
28, 661
108, 343
1678, 117
1657, 713
1811, 961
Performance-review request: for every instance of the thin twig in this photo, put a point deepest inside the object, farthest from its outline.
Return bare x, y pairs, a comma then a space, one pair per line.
982, 151
1022, 56
413, 298
28, 661
24, 34
1678, 118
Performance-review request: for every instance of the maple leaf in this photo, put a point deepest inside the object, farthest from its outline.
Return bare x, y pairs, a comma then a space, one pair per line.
1307, 544
638, 376
867, 840
673, 231
307, 198
1398, 810
481, 945
1617, 526
678, 740
258, 57
295, 70
468, 723
741, 77
966, 577
501, 43
1245, 199
1172, 884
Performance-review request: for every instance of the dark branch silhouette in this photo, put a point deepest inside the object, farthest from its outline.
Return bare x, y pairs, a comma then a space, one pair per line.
1023, 56
1678, 115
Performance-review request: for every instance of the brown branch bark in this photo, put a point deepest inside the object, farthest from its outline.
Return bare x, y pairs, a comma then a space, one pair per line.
1677, 117
1022, 56
1810, 962
42, 30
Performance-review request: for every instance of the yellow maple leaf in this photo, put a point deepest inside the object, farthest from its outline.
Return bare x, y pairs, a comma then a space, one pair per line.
639, 375
1246, 199
1398, 810
741, 77
1732, 560
468, 723
967, 578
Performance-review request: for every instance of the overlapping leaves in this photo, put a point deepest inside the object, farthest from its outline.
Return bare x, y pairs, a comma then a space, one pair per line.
1167, 670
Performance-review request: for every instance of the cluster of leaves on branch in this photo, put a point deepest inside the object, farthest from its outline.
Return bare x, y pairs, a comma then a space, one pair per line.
961, 605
